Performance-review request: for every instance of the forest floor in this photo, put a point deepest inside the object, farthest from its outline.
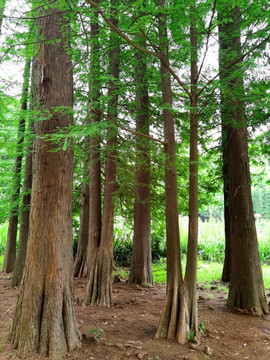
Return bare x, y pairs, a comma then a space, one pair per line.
126, 330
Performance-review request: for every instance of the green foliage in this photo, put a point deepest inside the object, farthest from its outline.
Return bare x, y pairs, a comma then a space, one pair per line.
202, 325
98, 333
211, 246
263, 229
122, 242
206, 273
266, 276
76, 231
3, 237
191, 334
122, 252
9, 115
158, 241
159, 271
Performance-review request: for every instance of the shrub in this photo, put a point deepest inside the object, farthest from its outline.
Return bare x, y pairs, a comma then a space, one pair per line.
122, 252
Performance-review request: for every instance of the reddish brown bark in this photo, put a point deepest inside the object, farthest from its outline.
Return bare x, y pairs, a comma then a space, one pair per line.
95, 170
44, 320
172, 323
141, 266
99, 286
246, 289
191, 266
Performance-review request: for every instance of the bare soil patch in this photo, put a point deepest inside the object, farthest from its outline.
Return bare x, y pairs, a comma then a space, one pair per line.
126, 330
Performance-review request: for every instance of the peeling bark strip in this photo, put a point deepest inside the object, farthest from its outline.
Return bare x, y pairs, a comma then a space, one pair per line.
44, 320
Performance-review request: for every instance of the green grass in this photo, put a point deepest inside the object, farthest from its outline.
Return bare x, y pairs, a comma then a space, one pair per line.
266, 276
206, 274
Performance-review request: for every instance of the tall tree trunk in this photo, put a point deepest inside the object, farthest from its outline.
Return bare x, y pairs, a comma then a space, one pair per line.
95, 170
141, 266
99, 286
44, 320
25, 214
80, 264
191, 266
172, 324
246, 283
10, 252
224, 47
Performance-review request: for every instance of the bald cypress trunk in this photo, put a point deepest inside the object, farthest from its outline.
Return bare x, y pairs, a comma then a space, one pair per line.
44, 320
191, 266
99, 286
246, 289
141, 266
172, 323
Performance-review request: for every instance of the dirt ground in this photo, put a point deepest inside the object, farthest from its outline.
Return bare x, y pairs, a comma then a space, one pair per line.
126, 330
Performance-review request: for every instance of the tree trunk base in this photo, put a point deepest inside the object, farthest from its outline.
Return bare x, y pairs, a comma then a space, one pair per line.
47, 325
99, 285
174, 322
80, 267
248, 304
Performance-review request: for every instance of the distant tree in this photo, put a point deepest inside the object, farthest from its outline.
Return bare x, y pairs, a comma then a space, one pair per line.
44, 319
80, 264
10, 252
141, 266
25, 214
